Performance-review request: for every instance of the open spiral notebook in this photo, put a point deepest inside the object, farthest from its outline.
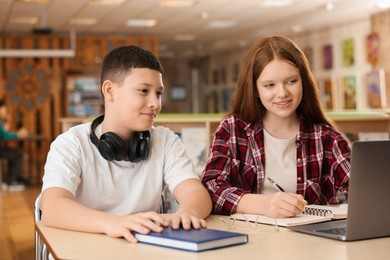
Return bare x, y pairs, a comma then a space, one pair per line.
312, 214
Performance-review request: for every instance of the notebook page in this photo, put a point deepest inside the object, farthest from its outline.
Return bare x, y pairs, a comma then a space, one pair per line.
300, 219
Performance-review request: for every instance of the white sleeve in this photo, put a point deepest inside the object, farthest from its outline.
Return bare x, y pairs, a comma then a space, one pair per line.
177, 165
63, 168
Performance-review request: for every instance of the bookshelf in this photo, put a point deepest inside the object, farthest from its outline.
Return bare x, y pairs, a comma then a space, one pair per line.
83, 96
353, 122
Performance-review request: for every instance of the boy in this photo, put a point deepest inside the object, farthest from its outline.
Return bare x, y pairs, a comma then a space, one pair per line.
107, 176
15, 180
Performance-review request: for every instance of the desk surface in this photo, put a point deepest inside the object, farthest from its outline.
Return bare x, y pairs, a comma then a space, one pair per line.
264, 243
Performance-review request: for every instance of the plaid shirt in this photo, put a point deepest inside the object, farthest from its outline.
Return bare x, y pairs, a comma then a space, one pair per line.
236, 163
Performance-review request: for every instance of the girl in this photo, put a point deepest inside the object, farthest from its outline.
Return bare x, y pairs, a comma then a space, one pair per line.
277, 129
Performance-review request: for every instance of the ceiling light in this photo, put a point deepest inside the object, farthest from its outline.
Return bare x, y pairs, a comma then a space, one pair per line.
106, 2
383, 4
277, 3
65, 53
221, 24
141, 22
177, 3
83, 21
20, 53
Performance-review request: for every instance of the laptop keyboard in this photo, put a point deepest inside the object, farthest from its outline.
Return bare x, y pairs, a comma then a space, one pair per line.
336, 231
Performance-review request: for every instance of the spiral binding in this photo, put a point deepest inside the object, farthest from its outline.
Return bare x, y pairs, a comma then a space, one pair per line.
317, 212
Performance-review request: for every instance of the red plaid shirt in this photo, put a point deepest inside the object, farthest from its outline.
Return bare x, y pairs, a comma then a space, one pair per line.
236, 163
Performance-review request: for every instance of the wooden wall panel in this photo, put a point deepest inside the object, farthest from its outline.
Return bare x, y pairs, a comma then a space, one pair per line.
34, 87
90, 50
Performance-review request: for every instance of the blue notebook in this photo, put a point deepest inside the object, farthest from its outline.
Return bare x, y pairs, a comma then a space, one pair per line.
195, 240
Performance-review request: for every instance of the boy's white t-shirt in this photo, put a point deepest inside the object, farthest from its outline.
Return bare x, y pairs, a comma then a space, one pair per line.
119, 187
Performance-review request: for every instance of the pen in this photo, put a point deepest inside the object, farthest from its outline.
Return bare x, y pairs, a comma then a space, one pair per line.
275, 184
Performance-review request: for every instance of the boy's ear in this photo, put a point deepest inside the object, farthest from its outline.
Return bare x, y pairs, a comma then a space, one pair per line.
108, 90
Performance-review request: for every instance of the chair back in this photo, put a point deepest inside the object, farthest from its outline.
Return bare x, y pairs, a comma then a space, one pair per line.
40, 248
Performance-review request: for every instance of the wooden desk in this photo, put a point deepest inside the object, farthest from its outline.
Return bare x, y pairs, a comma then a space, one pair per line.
265, 243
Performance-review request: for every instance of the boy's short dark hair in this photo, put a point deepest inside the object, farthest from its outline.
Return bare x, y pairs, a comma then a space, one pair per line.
119, 61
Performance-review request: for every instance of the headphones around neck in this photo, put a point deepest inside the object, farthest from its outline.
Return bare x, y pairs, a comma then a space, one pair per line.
112, 147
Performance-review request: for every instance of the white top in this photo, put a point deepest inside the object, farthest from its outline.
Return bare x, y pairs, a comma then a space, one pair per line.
119, 187
280, 163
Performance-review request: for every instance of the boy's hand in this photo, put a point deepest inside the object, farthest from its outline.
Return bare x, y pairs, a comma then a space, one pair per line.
186, 220
143, 223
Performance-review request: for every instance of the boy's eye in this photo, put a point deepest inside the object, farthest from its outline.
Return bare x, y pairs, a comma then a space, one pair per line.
146, 91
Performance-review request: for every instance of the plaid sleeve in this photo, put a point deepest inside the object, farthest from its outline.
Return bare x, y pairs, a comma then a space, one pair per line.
341, 166
219, 173
323, 165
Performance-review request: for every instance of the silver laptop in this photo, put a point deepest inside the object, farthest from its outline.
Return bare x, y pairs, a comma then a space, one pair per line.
368, 200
